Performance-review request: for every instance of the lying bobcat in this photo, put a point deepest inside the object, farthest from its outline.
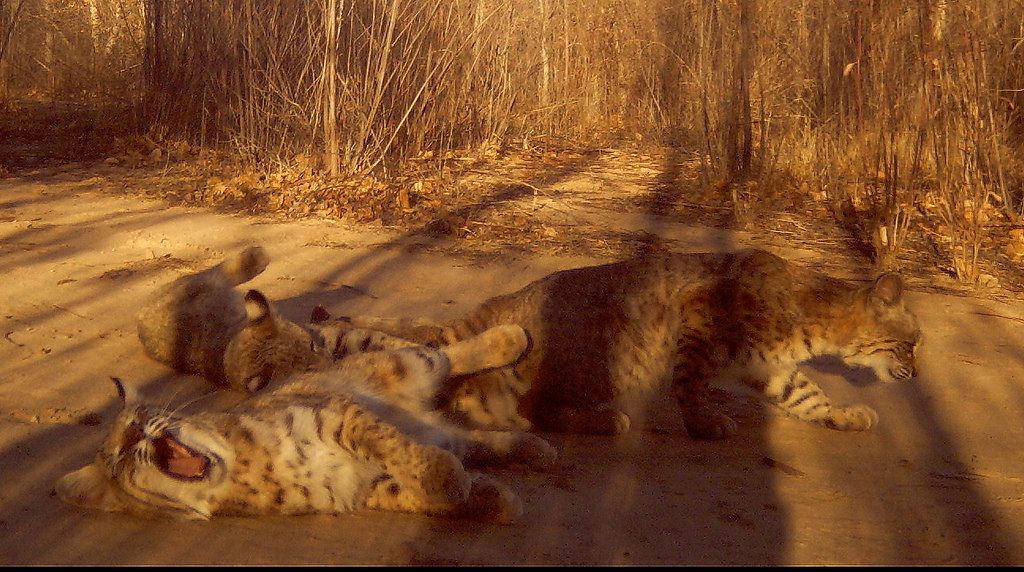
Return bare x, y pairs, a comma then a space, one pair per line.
599, 331
198, 324
189, 323
359, 433
348, 421
201, 324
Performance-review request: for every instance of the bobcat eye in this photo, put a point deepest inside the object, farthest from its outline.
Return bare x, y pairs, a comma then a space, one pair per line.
260, 379
316, 342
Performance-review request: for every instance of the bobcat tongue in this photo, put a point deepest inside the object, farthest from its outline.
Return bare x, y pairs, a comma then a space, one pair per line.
182, 462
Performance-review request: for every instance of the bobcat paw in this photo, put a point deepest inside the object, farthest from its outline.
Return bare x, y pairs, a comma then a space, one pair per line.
492, 501
534, 451
606, 422
507, 342
443, 480
853, 418
710, 427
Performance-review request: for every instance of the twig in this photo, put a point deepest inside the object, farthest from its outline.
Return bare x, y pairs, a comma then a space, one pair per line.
998, 316
70, 311
8, 337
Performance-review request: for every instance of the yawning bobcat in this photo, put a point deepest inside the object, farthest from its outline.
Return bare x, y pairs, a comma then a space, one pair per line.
599, 331
359, 433
346, 418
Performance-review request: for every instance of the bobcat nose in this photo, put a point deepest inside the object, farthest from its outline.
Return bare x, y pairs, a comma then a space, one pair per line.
132, 435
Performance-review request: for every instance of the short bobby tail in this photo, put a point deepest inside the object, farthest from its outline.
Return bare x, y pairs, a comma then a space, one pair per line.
246, 265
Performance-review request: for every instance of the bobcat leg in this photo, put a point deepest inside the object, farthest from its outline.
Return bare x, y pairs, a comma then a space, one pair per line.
419, 330
487, 400
604, 420
703, 419
494, 347
502, 447
797, 395
419, 478
485, 498
347, 342
491, 501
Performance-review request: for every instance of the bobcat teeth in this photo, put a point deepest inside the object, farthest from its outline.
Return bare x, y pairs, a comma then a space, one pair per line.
180, 460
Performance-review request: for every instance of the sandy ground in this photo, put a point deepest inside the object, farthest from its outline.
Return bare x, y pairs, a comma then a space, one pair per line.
940, 481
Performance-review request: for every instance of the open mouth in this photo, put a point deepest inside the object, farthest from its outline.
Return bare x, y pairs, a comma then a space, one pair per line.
179, 460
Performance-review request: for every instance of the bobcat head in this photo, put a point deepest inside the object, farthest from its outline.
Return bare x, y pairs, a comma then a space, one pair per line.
270, 347
883, 334
152, 462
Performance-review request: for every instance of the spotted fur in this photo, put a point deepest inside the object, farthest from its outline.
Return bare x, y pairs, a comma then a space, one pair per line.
687, 320
357, 434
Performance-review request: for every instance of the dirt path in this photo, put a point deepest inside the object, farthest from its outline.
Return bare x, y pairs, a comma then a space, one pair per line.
940, 481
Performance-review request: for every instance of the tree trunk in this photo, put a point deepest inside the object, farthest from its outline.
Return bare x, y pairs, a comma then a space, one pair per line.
153, 62
331, 147
94, 44
738, 130
545, 64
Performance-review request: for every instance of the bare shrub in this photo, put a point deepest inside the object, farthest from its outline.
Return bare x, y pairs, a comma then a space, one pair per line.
892, 110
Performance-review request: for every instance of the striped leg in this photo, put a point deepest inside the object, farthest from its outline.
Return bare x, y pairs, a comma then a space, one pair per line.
703, 419
802, 398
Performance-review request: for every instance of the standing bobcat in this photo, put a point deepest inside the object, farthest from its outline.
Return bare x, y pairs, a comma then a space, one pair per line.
599, 331
358, 433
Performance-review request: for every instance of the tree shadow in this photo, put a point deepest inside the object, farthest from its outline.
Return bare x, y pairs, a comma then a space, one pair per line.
653, 496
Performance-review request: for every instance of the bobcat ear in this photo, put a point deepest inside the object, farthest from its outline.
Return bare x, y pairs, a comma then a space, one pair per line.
257, 307
888, 288
319, 315
88, 487
126, 393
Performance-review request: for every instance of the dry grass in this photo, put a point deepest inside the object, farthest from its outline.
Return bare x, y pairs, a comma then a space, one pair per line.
905, 116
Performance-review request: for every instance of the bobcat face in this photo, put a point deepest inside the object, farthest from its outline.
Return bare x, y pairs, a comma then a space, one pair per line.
151, 462
270, 347
886, 335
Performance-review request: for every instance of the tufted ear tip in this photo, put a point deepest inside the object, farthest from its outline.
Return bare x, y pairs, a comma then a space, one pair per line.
125, 393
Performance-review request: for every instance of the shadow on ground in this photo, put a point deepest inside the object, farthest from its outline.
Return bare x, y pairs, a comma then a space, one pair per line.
937, 483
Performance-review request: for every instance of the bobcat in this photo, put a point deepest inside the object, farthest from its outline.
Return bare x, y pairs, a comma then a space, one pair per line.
345, 418
357, 433
599, 331
199, 324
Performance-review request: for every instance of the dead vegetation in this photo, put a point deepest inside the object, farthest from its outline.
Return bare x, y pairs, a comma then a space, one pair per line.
892, 129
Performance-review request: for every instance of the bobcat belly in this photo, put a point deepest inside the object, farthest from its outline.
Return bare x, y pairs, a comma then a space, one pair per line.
290, 468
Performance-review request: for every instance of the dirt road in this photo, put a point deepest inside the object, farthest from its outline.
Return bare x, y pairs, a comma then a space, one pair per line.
940, 481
